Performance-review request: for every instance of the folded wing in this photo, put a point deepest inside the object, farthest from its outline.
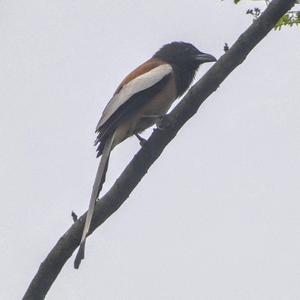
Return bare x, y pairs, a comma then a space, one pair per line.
143, 78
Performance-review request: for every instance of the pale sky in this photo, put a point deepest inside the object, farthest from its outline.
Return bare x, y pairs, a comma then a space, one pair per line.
216, 217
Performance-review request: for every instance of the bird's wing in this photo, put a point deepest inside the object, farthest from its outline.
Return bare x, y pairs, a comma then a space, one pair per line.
142, 78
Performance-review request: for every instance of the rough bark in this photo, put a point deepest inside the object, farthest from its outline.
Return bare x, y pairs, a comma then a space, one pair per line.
139, 165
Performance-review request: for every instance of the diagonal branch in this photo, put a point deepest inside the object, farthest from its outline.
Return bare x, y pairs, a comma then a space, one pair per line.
142, 161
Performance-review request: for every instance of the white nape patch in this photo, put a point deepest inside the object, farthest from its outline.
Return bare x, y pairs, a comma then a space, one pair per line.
134, 86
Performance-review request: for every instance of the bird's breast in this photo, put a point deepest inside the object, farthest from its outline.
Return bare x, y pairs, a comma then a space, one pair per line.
159, 105
140, 120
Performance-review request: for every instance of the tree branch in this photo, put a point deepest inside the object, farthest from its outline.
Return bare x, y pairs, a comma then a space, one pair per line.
138, 167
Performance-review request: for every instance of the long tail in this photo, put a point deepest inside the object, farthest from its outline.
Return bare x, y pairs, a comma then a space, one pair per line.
99, 180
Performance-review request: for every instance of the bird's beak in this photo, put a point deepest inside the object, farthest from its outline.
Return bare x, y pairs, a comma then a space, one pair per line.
204, 57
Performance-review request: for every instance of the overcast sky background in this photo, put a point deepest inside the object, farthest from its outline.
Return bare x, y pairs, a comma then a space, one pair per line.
216, 217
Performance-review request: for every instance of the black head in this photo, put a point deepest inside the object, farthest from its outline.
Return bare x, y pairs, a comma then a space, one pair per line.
185, 60
183, 55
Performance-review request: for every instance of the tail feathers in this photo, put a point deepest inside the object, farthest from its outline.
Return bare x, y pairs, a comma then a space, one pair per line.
99, 180
79, 255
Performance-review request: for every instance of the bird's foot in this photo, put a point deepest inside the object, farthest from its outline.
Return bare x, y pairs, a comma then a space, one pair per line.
164, 122
158, 117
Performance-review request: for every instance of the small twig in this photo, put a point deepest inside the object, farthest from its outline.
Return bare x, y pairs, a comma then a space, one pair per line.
74, 216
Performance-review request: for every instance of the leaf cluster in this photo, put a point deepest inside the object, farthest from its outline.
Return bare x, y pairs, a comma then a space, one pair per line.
289, 19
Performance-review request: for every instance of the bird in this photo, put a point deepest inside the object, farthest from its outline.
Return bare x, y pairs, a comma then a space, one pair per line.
140, 100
